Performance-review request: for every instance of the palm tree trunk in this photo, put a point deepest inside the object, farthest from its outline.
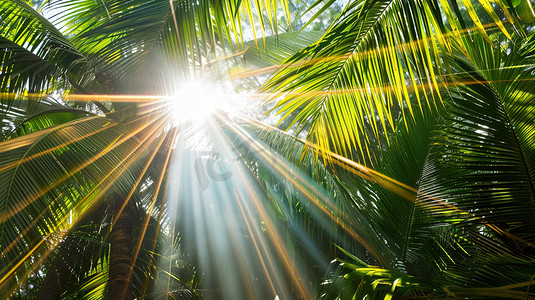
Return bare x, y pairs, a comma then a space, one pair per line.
121, 245
57, 275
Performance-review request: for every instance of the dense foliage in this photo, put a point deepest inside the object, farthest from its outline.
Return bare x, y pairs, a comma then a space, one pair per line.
395, 156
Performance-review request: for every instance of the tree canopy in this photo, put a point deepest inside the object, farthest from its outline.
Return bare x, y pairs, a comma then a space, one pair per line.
267, 149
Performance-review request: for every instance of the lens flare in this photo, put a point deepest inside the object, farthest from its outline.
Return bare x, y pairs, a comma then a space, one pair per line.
194, 101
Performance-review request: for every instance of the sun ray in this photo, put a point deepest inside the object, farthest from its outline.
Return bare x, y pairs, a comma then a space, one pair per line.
154, 106
276, 240
256, 243
120, 166
138, 181
155, 128
177, 164
30, 138
407, 192
145, 221
173, 134
86, 163
310, 191
46, 237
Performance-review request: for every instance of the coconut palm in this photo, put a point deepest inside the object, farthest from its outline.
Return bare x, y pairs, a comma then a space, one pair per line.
434, 95
96, 150
443, 108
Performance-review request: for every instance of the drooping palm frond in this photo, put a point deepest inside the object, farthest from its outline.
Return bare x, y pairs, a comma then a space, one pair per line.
178, 34
377, 56
392, 213
21, 69
80, 165
33, 53
467, 227
277, 49
80, 260
351, 278
483, 161
25, 115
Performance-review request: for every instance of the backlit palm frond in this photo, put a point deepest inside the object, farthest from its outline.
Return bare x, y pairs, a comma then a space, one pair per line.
22, 70
379, 56
483, 161
25, 116
79, 263
527, 49
395, 211
351, 278
35, 209
277, 49
127, 37
466, 227
33, 53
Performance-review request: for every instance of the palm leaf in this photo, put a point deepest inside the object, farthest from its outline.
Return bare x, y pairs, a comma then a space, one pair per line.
353, 279
33, 51
483, 159
34, 208
276, 49
469, 221
376, 56
121, 37
24, 116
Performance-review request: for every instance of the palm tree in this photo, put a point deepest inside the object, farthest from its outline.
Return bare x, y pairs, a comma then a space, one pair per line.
432, 98
438, 97
96, 150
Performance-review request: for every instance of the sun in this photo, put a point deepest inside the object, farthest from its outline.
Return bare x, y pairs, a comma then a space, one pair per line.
194, 101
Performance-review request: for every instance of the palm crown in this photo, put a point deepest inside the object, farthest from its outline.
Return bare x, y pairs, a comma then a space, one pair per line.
410, 156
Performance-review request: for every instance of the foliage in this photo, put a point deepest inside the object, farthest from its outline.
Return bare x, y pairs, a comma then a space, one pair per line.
445, 110
413, 146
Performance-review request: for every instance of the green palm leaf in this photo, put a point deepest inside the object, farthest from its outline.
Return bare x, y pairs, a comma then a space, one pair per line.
35, 208
277, 49
470, 222
26, 116
124, 37
345, 88
483, 158
33, 51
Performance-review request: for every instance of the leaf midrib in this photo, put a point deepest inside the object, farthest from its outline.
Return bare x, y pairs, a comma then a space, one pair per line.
357, 44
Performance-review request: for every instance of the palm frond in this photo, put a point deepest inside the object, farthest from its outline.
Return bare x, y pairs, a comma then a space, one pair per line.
482, 162
277, 49
469, 220
24, 115
353, 279
179, 34
33, 52
377, 56
34, 208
